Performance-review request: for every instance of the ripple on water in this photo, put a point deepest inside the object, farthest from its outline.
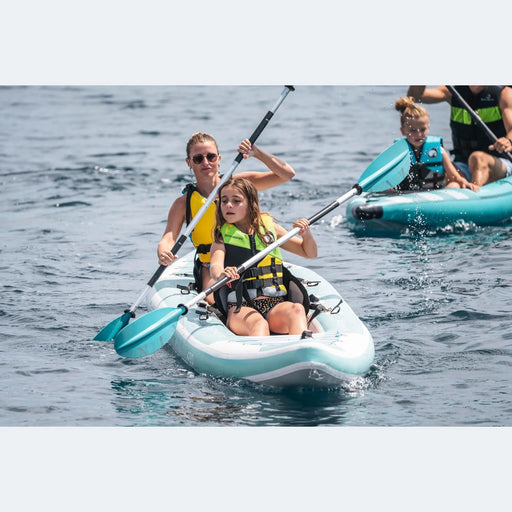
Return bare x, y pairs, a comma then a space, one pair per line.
85, 202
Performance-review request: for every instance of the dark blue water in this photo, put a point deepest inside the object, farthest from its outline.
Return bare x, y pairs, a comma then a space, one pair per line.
87, 175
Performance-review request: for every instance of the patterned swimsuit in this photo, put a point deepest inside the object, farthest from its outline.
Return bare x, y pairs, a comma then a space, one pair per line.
263, 305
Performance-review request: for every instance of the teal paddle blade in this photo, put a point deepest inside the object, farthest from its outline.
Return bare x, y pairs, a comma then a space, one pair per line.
388, 169
149, 333
110, 331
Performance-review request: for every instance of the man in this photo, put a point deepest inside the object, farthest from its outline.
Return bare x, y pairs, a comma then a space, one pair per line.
478, 160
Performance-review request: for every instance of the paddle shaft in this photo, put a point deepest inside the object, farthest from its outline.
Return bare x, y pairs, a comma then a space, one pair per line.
197, 217
370, 180
477, 118
356, 190
148, 334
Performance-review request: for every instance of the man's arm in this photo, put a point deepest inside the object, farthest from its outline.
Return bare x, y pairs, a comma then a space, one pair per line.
430, 95
506, 109
504, 144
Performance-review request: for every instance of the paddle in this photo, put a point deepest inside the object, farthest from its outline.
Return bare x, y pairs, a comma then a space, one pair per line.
153, 330
111, 330
477, 118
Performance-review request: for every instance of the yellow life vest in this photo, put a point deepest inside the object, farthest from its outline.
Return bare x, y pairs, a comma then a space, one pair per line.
202, 234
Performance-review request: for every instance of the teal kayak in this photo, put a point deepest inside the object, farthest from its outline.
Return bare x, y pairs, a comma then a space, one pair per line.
338, 350
431, 211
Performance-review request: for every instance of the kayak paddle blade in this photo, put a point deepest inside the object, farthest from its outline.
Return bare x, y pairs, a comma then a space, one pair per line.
149, 333
388, 169
110, 331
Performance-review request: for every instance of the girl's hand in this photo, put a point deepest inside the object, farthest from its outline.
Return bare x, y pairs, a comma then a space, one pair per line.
246, 148
303, 224
231, 272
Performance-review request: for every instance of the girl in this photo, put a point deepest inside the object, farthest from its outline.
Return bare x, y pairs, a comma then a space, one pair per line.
257, 302
203, 159
431, 166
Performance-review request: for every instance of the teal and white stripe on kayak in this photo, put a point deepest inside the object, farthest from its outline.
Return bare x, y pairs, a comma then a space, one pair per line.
431, 210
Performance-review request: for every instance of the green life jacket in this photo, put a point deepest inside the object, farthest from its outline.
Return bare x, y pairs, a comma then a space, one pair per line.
467, 135
266, 278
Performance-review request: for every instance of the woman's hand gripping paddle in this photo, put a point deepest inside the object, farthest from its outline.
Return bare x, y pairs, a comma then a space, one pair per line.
111, 330
153, 330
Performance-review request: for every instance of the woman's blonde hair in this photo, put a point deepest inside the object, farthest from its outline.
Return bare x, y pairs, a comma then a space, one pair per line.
248, 190
199, 137
409, 110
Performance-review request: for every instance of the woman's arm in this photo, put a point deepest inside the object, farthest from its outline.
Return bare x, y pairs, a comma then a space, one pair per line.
175, 220
280, 171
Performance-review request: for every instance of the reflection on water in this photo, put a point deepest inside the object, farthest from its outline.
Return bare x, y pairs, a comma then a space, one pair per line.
225, 402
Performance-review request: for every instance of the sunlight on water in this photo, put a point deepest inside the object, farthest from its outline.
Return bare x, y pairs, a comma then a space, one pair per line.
88, 175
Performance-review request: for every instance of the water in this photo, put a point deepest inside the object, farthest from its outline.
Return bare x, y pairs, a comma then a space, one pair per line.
87, 176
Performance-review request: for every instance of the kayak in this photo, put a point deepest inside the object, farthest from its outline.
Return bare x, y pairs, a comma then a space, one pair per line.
338, 349
431, 211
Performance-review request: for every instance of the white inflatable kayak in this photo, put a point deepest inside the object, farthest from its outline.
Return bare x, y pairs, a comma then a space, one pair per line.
339, 350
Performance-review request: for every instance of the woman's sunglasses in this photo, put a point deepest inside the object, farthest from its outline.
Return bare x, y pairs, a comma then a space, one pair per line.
211, 157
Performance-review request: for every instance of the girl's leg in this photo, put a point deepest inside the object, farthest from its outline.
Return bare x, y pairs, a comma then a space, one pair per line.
247, 322
287, 318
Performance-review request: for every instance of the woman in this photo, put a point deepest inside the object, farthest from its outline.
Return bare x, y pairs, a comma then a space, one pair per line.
256, 302
203, 159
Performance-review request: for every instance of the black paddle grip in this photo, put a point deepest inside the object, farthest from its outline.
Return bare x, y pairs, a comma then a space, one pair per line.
216, 286
156, 275
260, 127
256, 133
323, 212
332, 206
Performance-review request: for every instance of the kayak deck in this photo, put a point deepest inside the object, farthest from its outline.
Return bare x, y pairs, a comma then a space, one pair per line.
339, 350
